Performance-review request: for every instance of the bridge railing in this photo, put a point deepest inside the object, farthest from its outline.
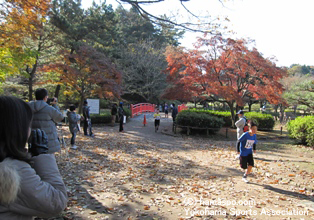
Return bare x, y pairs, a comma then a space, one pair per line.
141, 108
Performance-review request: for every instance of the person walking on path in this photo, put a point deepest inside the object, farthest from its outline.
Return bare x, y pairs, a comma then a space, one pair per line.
114, 111
174, 112
166, 110
157, 120
121, 116
30, 183
240, 125
45, 118
248, 142
87, 120
73, 119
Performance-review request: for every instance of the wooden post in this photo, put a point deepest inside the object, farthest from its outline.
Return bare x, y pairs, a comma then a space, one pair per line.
280, 130
226, 132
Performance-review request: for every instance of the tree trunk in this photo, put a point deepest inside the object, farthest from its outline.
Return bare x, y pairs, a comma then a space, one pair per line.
295, 110
282, 111
30, 87
237, 108
250, 106
276, 111
67, 102
31, 73
81, 103
230, 104
57, 91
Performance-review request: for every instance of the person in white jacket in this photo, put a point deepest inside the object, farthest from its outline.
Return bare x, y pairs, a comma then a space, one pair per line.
30, 182
240, 125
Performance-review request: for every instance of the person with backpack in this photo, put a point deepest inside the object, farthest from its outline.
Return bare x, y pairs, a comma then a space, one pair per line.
121, 116
45, 118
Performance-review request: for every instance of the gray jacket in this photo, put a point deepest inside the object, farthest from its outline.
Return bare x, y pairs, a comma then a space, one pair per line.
72, 117
240, 125
26, 192
45, 117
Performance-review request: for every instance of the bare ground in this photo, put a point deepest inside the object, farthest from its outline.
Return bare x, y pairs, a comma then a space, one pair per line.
141, 174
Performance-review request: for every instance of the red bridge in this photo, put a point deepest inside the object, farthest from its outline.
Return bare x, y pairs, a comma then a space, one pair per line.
147, 107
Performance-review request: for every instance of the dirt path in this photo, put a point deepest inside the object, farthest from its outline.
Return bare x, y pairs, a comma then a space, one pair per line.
141, 174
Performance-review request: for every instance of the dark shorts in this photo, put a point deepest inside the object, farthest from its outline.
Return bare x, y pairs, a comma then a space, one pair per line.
166, 111
246, 160
157, 123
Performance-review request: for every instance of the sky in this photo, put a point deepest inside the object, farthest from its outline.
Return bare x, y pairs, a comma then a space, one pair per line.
280, 28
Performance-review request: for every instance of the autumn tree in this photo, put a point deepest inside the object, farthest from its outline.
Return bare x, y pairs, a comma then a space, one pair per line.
226, 70
20, 19
89, 73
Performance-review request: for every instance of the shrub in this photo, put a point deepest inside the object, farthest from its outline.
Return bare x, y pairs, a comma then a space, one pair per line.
199, 120
127, 112
226, 116
102, 118
104, 103
265, 122
302, 129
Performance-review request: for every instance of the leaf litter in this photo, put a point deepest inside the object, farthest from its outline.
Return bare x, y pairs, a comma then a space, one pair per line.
114, 176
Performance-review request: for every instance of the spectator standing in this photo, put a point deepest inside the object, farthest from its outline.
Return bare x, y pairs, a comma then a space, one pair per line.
240, 123
114, 112
121, 116
73, 119
87, 120
174, 112
45, 118
166, 110
30, 182
240, 126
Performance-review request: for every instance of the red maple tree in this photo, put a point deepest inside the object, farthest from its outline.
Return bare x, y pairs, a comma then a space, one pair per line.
225, 70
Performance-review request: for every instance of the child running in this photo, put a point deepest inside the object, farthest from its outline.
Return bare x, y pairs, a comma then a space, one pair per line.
157, 120
247, 145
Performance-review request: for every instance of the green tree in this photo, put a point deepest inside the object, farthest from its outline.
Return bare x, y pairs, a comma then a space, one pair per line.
93, 26
300, 91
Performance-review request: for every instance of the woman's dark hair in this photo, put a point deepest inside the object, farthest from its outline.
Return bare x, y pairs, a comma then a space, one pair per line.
15, 120
41, 93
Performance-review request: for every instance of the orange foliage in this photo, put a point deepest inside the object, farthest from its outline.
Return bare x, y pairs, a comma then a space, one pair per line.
21, 18
227, 69
88, 72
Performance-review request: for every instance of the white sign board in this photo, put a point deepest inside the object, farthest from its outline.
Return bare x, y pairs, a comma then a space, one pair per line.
94, 106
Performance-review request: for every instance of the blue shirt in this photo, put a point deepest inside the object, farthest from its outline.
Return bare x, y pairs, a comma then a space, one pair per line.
246, 143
